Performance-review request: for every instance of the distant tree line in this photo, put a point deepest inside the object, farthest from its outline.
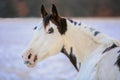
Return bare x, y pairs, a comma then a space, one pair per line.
74, 8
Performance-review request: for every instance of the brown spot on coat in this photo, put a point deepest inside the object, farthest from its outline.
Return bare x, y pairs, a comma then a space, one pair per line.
109, 48
118, 62
71, 57
96, 33
118, 51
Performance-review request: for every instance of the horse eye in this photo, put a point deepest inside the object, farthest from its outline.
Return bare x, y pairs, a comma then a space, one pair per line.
51, 30
35, 28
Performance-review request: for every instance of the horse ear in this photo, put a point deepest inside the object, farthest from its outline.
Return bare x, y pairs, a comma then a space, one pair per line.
54, 11
43, 11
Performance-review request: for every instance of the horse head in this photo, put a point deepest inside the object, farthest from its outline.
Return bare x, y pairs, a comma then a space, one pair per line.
48, 39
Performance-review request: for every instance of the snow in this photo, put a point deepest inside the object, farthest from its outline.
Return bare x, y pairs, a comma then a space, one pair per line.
15, 35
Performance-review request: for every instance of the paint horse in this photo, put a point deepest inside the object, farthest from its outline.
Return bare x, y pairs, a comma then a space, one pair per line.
97, 54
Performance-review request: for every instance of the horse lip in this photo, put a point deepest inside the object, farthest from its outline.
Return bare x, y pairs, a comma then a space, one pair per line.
27, 63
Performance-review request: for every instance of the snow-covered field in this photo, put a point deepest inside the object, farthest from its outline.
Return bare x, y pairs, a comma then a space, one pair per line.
15, 35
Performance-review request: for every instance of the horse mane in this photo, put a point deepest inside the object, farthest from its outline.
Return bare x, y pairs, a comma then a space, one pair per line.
88, 30
95, 35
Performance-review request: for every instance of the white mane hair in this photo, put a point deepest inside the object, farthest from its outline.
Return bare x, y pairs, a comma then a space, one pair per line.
91, 32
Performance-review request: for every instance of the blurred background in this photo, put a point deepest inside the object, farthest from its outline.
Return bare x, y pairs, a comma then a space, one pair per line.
83, 8
19, 17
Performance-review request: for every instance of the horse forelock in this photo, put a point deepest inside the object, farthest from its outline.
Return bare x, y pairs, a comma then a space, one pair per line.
46, 20
51, 18
58, 21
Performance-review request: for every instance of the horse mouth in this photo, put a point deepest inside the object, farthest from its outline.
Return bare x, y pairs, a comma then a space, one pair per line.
29, 64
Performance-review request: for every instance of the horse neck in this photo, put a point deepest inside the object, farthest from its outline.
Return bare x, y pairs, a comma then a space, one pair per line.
80, 41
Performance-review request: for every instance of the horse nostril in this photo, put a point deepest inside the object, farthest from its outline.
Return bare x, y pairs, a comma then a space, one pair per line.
29, 56
35, 58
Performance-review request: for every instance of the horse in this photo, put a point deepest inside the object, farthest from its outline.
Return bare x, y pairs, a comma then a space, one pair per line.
95, 55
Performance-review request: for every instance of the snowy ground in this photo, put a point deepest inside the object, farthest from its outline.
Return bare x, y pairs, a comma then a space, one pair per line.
16, 33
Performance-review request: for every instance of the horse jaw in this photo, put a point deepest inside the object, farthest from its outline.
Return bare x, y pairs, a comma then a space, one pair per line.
51, 51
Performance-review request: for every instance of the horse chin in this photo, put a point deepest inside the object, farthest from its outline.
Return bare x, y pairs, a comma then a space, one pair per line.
31, 65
